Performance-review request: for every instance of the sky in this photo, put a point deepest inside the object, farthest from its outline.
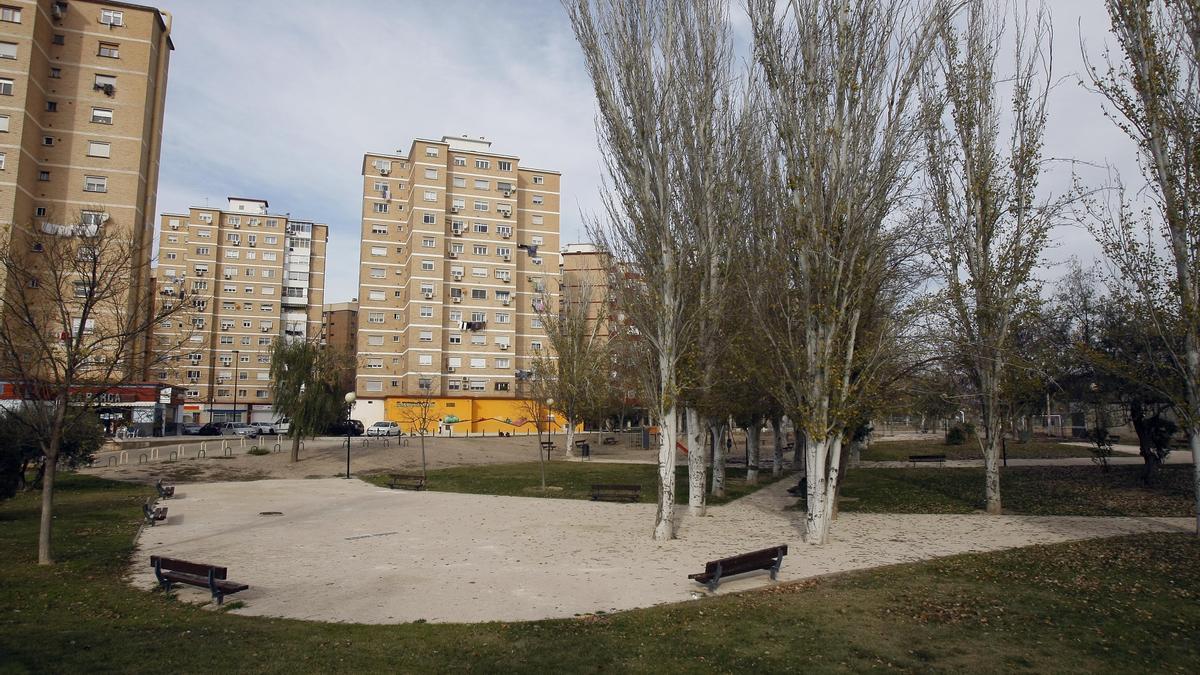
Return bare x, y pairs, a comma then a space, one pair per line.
280, 99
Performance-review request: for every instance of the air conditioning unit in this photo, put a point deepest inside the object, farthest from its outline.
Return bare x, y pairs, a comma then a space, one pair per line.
505, 302
265, 330
504, 345
507, 258
506, 235
456, 299
452, 254
508, 193
384, 171
455, 209
193, 380
506, 280
237, 226
228, 275
174, 226
456, 232
506, 214
253, 244
451, 369
429, 296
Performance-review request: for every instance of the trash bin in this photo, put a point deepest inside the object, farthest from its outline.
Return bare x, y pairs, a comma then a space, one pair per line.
585, 450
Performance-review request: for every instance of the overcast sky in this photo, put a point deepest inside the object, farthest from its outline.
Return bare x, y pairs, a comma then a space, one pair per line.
279, 99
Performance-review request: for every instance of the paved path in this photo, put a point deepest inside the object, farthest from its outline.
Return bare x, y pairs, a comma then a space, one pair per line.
344, 550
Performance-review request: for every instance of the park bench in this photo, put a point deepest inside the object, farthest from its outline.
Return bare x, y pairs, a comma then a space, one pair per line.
926, 458
608, 492
765, 559
164, 491
609, 440
173, 571
406, 481
1114, 439
153, 514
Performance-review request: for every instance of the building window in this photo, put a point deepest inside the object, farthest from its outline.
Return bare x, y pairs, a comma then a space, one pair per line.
95, 184
51, 106
425, 336
427, 265
431, 152
538, 180
503, 363
537, 199
478, 294
479, 249
426, 312
460, 182
47, 140
2, 160
8, 50
112, 17
377, 229
431, 174
106, 84
102, 116
455, 339
110, 50
10, 14
428, 242
378, 250
58, 39
98, 149
431, 195
55, 73
429, 219
4, 123
43, 175
505, 166
380, 207
481, 228
6, 86
483, 184
460, 161
481, 206
483, 164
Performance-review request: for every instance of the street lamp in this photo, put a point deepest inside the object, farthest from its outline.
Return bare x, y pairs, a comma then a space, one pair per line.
350, 397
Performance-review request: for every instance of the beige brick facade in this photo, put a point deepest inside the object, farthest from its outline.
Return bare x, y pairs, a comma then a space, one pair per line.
82, 95
447, 284
252, 276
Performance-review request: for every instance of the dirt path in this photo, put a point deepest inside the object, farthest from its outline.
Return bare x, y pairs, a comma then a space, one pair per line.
344, 550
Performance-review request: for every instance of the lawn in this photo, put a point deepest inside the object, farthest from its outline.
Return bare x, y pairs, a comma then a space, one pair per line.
1120, 605
898, 451
1029, 490
573, 480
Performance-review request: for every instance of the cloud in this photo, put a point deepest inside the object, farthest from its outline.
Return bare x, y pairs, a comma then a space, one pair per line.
280, 99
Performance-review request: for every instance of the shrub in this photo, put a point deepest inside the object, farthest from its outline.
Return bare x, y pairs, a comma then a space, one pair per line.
258, 451
956, 435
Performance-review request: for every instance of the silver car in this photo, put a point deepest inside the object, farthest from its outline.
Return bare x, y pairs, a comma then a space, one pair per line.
239, 429
384, 429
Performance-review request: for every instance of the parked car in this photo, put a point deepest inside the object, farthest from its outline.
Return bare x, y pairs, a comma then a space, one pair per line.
239, 429
340, 427
209, 429
385, 428
265, 427
190, 429
283, 425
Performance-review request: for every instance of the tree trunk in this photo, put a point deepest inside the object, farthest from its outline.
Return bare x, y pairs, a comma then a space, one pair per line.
821, 458
664, 523
295, 448
1194, 441
570, 451
990, 444
752, 442
777, 427
44, 557
696, 468
718, 433
799, 450
854, 457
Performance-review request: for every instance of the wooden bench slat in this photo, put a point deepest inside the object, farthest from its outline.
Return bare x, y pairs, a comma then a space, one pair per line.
212, 577
613, 492
406, 481
926, 458
763, 559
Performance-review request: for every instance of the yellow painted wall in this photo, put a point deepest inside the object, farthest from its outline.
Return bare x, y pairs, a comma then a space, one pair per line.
477, 415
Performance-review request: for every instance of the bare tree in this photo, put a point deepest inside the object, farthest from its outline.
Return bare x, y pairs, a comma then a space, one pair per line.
635, 52
575, 370
77, 313
1154, 97
418, 414
841, 77
990, 227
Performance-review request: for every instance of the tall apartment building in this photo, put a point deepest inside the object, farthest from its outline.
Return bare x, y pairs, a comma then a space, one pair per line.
339, 331
458, 244
252, 277
82, 94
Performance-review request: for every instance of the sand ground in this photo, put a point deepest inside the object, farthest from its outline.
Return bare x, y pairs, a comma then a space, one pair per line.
344, 550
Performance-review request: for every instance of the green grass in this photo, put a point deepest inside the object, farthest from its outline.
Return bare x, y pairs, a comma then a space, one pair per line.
898, 451
1030, 490
573, 480
1120, 605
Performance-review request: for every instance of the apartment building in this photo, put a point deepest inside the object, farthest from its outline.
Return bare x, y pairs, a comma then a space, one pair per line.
82, 94
459, 252
252, 277
339, 331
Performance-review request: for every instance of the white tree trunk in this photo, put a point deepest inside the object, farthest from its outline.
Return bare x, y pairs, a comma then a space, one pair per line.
822, 459
752, 442
719, 432
570, 451
664, 523
777, 428
696, 468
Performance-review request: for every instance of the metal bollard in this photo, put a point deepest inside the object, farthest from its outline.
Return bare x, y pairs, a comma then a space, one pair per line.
143, 458
243, 439
172, 456
201, 453
112, 461
277, 448
124, 457
155, 454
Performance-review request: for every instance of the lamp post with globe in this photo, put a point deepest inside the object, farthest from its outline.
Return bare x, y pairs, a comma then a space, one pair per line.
350, 397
